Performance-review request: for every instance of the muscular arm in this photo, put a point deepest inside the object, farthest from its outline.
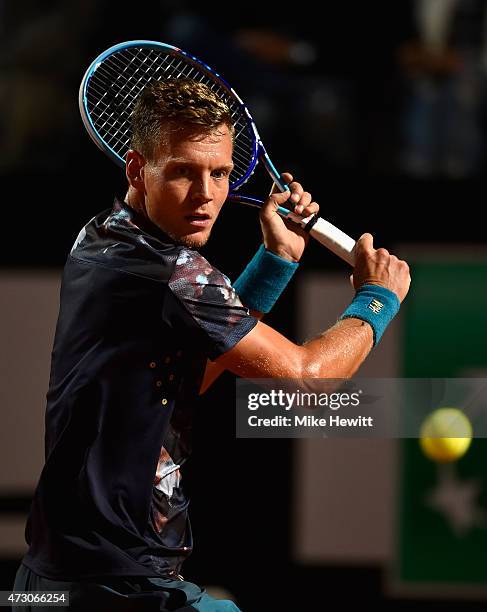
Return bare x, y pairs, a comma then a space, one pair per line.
336, 353
264, 352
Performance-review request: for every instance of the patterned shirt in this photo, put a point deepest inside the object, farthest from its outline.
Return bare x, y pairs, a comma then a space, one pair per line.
139, 316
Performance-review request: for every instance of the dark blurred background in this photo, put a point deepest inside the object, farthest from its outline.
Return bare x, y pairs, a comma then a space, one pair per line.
380, 113
379, 109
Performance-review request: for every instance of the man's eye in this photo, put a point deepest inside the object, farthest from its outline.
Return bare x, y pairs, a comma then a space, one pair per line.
182, 171
220, 173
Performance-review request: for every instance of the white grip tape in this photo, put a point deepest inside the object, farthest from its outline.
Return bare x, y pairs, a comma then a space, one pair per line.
329, 236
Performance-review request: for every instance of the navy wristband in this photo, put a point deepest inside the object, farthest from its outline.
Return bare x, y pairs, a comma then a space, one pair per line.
264, 279
376, 305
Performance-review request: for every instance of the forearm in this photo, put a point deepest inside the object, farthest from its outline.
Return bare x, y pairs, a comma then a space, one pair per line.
347, 344
337, 352
381, 282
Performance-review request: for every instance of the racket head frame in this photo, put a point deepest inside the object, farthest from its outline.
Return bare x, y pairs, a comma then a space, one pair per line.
256, 148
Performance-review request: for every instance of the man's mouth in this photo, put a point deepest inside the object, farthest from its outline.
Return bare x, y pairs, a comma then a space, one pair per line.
199, 219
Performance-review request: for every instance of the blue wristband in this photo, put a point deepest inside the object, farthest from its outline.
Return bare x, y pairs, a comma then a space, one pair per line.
376, 305
264, 279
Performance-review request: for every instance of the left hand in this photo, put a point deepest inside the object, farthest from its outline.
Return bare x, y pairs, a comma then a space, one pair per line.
281, 236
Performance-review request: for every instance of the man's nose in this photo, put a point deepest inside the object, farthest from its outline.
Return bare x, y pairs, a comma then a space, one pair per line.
201, 189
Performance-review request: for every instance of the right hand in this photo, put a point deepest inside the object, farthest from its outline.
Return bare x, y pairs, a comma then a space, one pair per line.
379, 267
281, 236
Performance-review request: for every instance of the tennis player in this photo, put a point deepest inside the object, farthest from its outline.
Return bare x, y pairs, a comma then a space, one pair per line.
145, 324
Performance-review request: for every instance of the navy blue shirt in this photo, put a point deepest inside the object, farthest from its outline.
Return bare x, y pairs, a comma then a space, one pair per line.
139, 316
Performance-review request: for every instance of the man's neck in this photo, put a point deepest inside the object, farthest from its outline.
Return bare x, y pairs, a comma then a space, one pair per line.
133, 200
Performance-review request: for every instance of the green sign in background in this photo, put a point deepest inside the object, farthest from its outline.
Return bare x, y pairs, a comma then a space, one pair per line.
444, 335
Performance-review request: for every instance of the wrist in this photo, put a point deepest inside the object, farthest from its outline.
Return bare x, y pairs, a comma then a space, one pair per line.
280, 251
376, 305
264, 279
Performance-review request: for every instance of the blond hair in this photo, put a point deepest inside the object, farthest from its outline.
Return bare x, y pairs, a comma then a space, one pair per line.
175, 104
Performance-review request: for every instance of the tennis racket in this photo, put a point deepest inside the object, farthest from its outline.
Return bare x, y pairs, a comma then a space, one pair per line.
117, 76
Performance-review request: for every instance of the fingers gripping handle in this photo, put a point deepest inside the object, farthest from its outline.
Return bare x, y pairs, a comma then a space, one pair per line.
324, 232
328, 235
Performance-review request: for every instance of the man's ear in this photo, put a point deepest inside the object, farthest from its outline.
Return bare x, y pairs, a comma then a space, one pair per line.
134, 169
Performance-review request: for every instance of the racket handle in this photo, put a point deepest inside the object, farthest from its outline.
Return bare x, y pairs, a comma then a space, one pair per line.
328, 235
324, 232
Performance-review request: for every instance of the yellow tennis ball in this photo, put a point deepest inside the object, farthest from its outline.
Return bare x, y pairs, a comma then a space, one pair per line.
445, 435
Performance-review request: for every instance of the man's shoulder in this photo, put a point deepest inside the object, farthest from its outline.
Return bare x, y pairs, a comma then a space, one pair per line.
115, 240
193, 266
195, 280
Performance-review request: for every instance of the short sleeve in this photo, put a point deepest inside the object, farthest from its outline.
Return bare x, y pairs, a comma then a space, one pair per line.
211, 302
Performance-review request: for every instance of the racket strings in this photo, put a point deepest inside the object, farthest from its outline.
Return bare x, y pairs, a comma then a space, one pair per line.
118, 80
127, 75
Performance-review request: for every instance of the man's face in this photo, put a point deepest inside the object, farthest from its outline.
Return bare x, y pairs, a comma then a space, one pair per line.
187, 184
